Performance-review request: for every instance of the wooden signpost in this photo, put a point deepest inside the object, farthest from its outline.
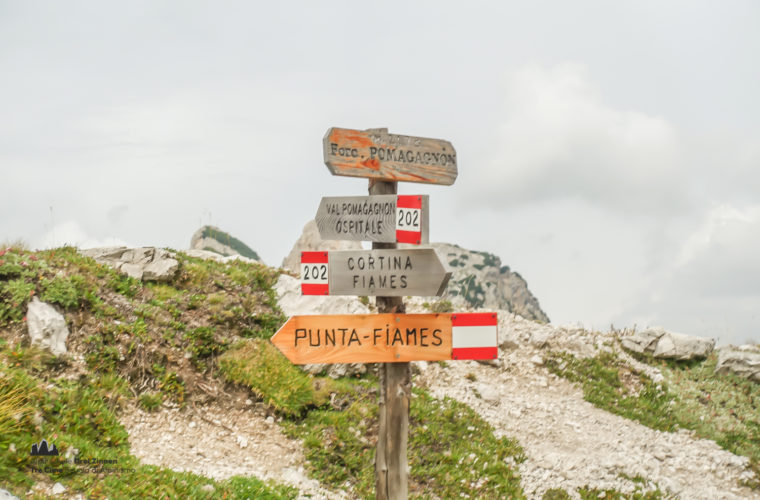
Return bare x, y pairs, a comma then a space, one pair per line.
387, 272
377, 154
390, 338
382, 218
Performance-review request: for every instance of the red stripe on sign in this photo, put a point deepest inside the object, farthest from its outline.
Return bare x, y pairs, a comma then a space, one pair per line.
315, 289
413, 237
409, 201
474, 319
475, 353
313, 257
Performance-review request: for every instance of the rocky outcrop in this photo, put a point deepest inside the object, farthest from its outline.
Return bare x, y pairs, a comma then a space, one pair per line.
215, 240
146, 263
310, 241
668, 345
743, 361
47, 327
209, 255
479, 280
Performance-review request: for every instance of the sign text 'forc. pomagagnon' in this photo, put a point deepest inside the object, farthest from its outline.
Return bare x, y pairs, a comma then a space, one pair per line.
382, 338
379, 272
376, 154
385, 218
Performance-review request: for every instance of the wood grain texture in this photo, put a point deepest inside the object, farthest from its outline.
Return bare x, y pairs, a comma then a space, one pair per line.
387, 272
376, 154
365, 338
364, 218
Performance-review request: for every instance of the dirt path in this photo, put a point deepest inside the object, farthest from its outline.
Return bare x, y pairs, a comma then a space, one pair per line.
570, 443
220, 443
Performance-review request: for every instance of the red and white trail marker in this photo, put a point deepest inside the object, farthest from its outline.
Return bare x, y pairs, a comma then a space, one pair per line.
474, 336
314, 273
409, 219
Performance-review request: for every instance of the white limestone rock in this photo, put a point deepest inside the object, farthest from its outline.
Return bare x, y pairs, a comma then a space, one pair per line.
668, 345
6, 495
146, 263
211, 239
47, 327
208, 255
743, 361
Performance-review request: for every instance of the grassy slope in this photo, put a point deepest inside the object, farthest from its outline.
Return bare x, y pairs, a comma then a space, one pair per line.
723, 408
154, 343
149, 344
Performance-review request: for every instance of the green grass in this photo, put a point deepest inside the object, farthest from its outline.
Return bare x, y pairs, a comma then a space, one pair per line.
82, 415
258, 365
148, 343
723, 408
133, 338
451, 449
603, 379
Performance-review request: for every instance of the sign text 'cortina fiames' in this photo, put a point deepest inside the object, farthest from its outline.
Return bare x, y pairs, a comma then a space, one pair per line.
391, 272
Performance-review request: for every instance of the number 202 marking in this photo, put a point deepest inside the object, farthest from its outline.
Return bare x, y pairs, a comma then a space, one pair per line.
408, 218
314, 272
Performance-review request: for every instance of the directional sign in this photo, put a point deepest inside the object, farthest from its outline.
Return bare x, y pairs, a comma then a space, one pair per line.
386, 218
376, 154
390, 273
386, 338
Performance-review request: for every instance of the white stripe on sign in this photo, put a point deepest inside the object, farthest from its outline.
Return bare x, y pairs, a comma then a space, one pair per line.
315, 274
408, 219
474, 336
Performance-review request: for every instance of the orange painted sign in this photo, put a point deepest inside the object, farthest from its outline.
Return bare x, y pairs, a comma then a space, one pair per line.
388, 338
376, 154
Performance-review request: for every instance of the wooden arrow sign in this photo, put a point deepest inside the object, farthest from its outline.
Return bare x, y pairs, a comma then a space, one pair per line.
389, 273
383, 218
387, 338
377, 154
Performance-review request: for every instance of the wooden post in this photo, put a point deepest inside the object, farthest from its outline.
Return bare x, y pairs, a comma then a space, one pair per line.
391, 481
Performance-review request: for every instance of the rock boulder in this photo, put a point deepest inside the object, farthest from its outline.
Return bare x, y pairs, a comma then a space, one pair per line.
147, 263
743, 361
47, 327
213, 239
668, 345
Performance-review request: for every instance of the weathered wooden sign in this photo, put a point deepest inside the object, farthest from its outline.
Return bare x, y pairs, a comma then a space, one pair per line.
386, 338
386, 218
390, 273
376, 154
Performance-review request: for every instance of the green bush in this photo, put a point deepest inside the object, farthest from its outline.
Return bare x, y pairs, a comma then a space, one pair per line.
258, 365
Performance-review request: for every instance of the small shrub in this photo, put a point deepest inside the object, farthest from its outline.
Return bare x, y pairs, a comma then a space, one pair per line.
258, 365
442, 306
14, 296
151, 401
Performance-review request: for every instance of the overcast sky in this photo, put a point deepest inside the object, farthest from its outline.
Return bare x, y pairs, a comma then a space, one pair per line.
609, 152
